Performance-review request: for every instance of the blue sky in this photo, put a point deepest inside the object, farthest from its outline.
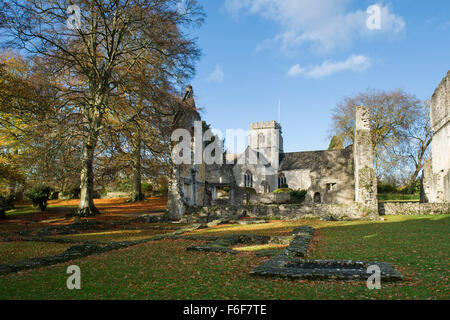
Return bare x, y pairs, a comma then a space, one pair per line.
310, 54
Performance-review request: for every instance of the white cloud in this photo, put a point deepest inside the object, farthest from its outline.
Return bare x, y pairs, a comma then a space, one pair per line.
217, 75
324, 24
445, 26
357, 63
295, 71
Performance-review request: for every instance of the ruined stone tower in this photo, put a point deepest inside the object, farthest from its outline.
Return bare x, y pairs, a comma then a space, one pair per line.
186, 184
365, 175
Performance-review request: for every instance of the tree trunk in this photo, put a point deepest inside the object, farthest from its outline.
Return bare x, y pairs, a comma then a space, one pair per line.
86, 206
412, 181
136, 194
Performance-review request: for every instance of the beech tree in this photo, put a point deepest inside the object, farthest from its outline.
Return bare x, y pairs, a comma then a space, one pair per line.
401, 132
39, 135
95, 44
139, 126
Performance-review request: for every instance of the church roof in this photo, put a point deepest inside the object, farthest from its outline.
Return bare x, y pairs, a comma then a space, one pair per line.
312, 160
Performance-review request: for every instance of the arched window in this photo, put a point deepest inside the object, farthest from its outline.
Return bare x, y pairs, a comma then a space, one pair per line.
281, 180
266, 186
248, 179
261, 140
317, 198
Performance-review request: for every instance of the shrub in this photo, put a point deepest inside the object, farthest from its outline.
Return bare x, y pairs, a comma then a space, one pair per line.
282, 190
54, 195
284, 186
164, 191
146, 187
298, 196
39, 196
6, 204
70, 194
398, 197
124, 186
249, 190
386, 187
413, 188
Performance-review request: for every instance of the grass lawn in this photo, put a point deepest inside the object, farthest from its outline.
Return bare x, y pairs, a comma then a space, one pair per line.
116, 235
25, 209
11, 252
398, 197
417, 245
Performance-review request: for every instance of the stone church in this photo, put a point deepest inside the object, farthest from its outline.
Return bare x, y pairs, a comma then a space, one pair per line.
329, 176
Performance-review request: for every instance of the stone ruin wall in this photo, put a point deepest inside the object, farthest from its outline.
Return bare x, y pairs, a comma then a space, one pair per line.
365, 175
335, 166
436, 173
285, 211
412, 208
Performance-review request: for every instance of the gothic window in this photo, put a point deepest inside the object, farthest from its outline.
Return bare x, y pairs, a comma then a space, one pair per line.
282, 180
248, 179
260, 140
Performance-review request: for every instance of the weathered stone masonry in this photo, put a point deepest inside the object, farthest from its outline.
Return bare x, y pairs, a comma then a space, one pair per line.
365, 175
436, 172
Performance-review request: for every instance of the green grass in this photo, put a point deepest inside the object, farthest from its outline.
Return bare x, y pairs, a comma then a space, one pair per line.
23, 209
115, 235
11, 252
398, 197
417, 245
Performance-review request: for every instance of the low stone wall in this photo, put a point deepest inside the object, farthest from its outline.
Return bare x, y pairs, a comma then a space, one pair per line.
307, 210
270, 198
286, 211
412, 208
111, 195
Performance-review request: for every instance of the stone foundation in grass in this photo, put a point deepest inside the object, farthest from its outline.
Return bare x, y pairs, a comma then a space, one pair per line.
299, 242
288, 265
85, 249
223, 244
285, 267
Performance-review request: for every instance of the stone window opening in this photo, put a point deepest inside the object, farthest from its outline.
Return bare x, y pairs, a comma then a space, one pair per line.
223, 192
187, 192
248, 179
317, 198
282, 180
266, 186
331, 187
261, 142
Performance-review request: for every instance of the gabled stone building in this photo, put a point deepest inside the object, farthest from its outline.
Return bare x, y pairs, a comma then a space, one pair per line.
329, 176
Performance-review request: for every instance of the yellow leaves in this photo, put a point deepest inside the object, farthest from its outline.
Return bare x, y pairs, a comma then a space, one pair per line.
13, 62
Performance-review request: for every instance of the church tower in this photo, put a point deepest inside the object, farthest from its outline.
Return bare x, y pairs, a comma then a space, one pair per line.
265, 138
